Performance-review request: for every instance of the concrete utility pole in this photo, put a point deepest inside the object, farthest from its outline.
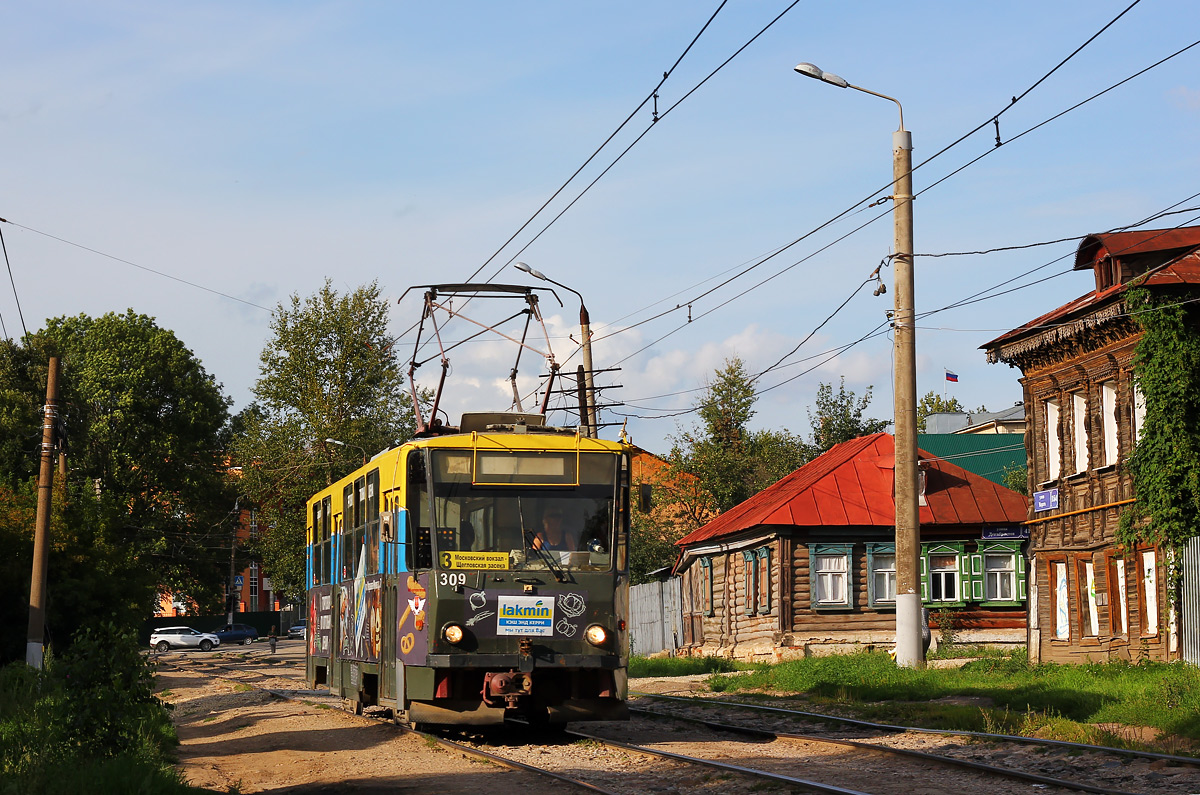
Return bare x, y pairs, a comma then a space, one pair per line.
41, 534
910, 651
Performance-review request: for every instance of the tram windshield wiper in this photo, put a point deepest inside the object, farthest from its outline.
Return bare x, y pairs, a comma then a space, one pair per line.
546, 557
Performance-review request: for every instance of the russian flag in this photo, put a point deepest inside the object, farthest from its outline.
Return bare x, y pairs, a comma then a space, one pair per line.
952, 377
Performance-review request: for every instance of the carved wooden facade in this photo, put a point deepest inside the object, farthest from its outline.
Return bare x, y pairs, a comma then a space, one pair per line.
1089, 599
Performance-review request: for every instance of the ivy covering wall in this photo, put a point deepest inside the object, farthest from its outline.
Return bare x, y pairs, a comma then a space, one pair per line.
1165, 464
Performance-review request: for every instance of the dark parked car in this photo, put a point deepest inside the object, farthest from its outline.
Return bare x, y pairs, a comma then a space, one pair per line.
299, 630
237, 633
165, 638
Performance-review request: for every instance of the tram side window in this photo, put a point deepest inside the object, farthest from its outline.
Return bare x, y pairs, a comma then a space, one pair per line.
326, 554
418, 551
372, 496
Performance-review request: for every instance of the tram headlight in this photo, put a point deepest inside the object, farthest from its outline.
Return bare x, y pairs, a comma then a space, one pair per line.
453, 634
596, 635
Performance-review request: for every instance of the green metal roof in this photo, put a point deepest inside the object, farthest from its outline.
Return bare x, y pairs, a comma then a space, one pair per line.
984, 454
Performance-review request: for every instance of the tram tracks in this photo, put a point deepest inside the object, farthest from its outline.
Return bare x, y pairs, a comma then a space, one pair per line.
671, 751
1053, 763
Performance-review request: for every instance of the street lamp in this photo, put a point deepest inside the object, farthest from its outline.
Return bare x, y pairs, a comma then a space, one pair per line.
343, 444
585, 333
910, 652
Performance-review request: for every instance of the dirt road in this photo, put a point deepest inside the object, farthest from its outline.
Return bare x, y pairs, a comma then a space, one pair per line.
235, 738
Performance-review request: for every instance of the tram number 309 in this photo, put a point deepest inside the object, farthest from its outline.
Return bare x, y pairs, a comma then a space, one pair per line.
452, 578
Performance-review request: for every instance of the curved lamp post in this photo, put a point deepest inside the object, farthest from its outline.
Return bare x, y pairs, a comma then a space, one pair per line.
585, 333
344, 444
909, 649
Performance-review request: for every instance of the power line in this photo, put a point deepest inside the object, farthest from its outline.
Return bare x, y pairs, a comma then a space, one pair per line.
11, 280
135, 265
642, 135
956, 171
652, 95
919, 165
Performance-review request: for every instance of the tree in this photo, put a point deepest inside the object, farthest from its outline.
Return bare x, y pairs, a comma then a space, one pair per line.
1165, 463
731, 462
141, 508
1017, 479
328, 372
839, 418
933, 403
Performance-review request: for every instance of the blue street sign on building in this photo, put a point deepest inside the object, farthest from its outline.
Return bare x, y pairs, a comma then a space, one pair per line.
1045, 500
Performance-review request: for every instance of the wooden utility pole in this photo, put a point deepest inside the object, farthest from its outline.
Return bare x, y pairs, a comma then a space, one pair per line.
41, 533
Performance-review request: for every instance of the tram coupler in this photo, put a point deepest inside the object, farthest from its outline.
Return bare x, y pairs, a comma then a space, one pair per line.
510, 686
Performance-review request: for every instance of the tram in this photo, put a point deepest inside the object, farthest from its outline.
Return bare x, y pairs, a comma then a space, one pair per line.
436, 589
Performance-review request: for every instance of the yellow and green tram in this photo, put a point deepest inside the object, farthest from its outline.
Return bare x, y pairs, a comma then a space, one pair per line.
431, 593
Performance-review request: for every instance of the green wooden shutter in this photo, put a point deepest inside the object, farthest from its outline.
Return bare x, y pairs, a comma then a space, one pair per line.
1021, 592
976, 577
763, 552
924, 573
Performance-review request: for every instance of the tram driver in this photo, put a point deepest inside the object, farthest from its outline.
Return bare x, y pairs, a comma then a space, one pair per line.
554, 535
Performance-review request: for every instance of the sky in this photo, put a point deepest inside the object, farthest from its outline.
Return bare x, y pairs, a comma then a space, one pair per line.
201, 163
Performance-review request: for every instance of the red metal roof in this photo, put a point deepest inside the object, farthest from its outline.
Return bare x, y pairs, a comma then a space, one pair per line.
1182, 270
1128, 244
851, 485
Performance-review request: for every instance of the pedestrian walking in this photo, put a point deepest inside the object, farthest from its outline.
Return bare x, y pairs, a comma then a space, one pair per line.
271, 637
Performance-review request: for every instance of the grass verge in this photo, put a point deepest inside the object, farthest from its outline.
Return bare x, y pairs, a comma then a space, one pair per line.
1098, 703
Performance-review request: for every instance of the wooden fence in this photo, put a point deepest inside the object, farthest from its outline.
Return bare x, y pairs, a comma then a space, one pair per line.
655, 617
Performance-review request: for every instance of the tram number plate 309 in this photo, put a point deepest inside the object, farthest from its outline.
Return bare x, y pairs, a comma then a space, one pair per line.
354, 676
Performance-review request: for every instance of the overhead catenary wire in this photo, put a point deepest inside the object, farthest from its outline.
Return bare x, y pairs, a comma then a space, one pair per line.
12, 281
134, 264
834, 353
956, 171
937, 154
652, 95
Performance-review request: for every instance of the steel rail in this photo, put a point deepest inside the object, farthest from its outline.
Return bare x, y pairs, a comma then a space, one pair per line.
723, 766
1180, 760
906, 752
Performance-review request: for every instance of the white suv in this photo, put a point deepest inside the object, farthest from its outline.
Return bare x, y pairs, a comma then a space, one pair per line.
166, 638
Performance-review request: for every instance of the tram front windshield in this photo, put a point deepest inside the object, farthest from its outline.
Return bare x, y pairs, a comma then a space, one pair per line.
523, 510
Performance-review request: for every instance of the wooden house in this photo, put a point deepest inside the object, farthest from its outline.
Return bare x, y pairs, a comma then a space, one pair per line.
808, 565
1090, 599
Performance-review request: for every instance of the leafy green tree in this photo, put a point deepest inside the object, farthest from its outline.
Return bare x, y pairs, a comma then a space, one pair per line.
1166, 459
329, 372
1017, 479
933, 403
839, 417
651, 546
145, 424
730, 461
140, 509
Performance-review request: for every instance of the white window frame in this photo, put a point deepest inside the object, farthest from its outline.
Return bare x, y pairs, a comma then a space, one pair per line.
994, 578
1053, 453
1079, 430
1108, 422
1090, 612
1062, 605
1139, 412
882, 575
1149, 575
951, 575
829, 573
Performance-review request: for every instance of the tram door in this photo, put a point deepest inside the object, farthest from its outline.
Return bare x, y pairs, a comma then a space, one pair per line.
387, 646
